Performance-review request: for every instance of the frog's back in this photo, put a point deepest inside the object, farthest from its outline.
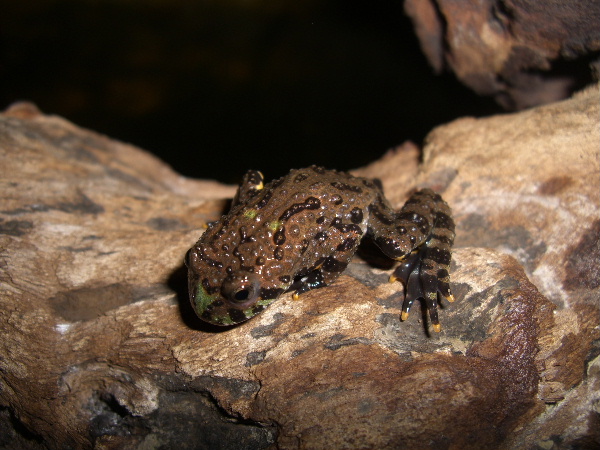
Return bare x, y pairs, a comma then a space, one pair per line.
336, 193
299, 218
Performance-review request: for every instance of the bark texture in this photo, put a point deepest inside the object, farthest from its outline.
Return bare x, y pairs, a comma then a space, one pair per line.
99, 347
522, 52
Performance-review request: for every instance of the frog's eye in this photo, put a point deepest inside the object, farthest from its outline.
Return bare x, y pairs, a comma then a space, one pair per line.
186, 259
241, 289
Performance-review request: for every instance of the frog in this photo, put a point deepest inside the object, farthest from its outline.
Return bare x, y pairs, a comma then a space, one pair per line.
299, 232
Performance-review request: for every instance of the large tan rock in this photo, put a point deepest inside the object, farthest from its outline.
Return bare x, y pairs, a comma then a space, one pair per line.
522, 52
99, 347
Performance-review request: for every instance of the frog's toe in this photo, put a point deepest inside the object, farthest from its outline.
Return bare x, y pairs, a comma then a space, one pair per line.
403, 271
443, 284
423, 280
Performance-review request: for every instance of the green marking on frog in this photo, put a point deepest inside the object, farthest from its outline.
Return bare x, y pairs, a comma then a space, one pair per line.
250, 213
275, 225
202, 299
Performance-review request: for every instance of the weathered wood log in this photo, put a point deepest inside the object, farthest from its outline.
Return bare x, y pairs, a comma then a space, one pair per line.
521, 52
99, 347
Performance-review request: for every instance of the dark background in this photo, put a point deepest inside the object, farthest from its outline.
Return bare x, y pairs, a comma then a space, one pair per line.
217, 87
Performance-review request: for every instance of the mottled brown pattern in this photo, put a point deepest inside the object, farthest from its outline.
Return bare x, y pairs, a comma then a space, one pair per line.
522, 52
304, 228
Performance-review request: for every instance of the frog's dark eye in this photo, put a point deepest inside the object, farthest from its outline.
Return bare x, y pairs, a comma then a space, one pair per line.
241, 289
186, 259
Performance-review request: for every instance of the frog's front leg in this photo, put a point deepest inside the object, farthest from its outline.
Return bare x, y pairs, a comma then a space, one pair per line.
323, 274
327, 269
251, 184
420, 235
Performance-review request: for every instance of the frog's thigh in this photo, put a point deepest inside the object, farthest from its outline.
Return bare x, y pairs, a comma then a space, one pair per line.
335, 264
397, 234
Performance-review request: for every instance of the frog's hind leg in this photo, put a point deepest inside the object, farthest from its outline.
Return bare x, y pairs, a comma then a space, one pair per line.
424, 277
420, 235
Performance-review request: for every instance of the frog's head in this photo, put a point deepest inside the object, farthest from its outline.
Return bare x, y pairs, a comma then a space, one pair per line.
223, 298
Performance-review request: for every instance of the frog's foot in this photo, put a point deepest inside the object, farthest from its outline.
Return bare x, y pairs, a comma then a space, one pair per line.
305, 283
423, 277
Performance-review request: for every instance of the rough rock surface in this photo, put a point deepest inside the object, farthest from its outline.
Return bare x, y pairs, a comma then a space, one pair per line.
522, 52
100, 349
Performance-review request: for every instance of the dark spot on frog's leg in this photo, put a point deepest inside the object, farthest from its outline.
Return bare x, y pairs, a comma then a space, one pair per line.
421, 222
393, 248
356, 215
348, 244
444, 221
444, 284
382, 214
318, 169
440, 256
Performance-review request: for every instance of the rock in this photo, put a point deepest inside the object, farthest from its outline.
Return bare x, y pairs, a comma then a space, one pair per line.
100, 348
522, 52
